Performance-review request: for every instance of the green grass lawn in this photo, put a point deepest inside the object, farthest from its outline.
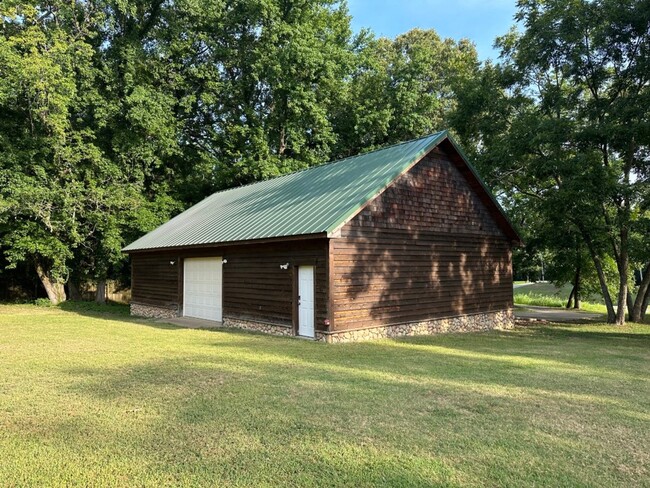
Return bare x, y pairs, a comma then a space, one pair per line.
549, 295
96, 400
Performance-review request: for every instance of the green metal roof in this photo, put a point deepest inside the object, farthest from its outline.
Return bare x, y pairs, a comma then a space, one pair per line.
314, 201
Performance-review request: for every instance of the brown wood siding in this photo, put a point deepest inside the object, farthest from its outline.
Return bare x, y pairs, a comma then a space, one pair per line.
427, 247
154, 281
254, 286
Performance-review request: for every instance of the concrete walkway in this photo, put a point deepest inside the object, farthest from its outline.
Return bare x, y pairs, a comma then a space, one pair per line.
191, 323
553, 314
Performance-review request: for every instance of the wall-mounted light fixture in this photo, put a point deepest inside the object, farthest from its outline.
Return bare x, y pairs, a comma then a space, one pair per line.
172, 263
224, 261
284, 266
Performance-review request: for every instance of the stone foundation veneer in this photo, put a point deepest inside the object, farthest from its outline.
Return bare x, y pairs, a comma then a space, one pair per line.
500, 320
153, 312
265, 327
503, 319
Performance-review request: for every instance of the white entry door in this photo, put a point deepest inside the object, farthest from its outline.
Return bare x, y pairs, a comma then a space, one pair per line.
306, 301
202, 287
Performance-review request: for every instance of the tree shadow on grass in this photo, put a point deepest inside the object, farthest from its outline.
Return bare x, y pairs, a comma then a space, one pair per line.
251, 406
110, 308
256, 418
501, 349
540, 365
568, 350
409, 365
634, 339
114, 312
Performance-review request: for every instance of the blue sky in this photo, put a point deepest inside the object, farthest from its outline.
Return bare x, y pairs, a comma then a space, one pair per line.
478, 20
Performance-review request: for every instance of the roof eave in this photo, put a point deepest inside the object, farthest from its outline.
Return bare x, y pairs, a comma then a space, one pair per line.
262, 240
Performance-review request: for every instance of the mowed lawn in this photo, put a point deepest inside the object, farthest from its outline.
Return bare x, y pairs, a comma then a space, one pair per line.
105, 400
546, 294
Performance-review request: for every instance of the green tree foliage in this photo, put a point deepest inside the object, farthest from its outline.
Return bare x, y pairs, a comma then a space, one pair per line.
40, 63
115, 114
401, 89
261, 78
572, 129
75, 182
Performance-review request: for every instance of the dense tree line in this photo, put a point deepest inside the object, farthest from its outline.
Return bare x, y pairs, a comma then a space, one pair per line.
117, 114
570, 139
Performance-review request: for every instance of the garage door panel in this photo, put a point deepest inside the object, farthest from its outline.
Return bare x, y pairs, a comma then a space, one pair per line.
203, 288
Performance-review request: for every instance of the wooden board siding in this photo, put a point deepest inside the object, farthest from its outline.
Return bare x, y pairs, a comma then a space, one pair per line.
428, 247
254, 286
154, 280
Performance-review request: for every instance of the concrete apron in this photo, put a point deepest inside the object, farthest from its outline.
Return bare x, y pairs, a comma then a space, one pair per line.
191, 323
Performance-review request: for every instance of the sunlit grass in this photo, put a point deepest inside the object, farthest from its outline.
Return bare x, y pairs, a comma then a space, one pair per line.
538, 299
93, 398
545, 294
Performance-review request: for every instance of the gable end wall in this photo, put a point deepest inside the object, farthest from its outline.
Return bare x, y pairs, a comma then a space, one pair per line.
425, 249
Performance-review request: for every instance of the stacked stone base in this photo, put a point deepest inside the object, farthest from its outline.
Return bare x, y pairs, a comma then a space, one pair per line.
153, 312
267, 328
501, 320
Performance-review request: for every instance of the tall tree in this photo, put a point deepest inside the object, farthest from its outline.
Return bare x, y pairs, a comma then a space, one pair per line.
41, 62
575, 130
264, 75
401, 88
113, 110
82, 136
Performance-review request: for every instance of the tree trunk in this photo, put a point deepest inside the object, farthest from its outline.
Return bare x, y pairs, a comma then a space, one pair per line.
73, 291
622, 263
54, 289
576, 296
282, 110
100, 294
611, 314
644, 305
621, 302
629, 302
644, 288
571, 295
283, 143
622, 260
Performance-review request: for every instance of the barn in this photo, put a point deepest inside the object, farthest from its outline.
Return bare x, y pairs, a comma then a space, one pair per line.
404, 240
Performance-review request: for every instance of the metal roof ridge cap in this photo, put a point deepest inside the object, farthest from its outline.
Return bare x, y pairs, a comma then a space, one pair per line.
419, 151
326, 163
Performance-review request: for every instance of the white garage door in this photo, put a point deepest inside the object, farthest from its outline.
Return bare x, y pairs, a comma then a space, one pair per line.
202, 288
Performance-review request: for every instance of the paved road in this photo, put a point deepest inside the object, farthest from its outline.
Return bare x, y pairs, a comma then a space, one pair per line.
553, 314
